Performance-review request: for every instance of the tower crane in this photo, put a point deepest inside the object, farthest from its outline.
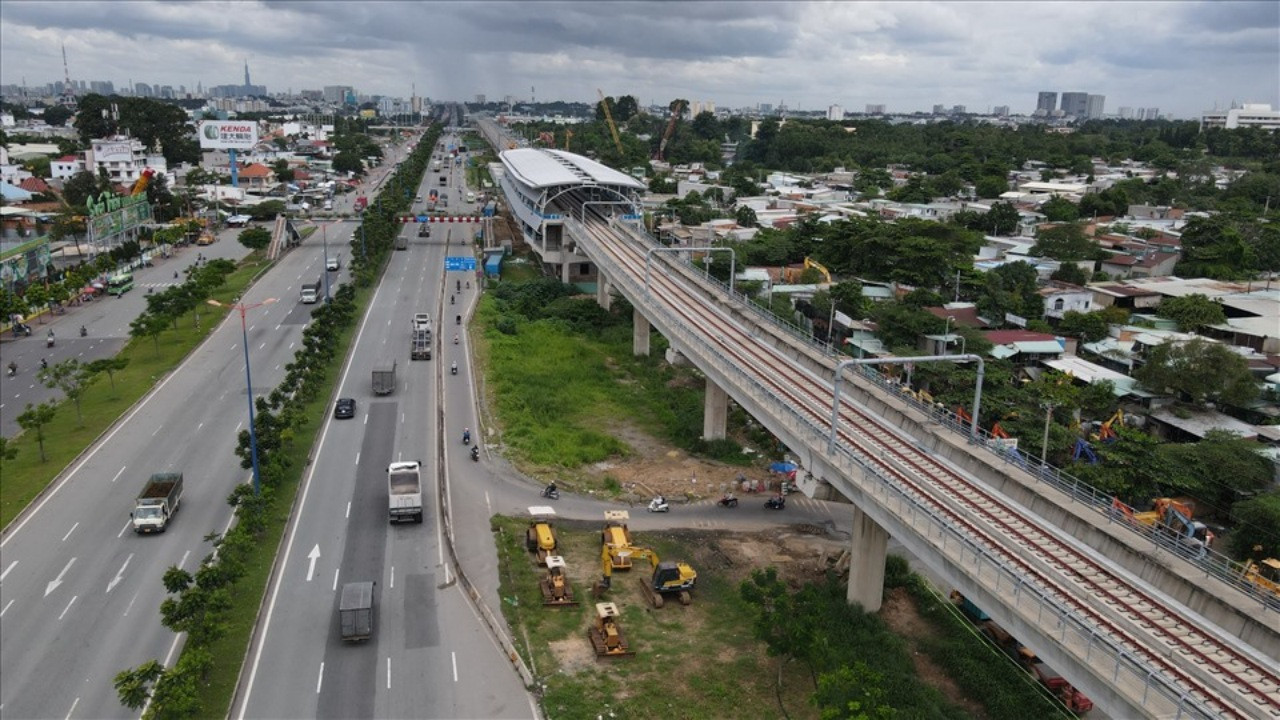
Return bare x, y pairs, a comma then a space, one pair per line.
608, 116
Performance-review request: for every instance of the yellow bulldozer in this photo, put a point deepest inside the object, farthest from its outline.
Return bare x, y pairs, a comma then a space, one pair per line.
669, 578
605, 634
615, 538
556, 591
540, 539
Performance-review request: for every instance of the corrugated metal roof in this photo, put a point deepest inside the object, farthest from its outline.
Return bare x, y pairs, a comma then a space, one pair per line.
542, 168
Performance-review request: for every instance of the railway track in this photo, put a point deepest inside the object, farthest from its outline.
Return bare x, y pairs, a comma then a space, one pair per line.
1220, 679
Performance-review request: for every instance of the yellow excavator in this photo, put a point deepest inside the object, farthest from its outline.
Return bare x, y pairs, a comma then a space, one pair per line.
556, 591
669, 578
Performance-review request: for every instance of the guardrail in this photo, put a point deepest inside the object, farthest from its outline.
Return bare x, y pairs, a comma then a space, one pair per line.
1101, 653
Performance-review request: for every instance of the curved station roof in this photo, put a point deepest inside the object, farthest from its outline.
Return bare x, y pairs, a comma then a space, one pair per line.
541, 168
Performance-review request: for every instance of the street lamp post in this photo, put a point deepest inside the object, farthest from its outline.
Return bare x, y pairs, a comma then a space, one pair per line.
946, 335
324, 237
363, 254
248, 378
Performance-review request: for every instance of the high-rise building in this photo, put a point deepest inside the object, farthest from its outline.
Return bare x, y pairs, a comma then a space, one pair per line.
337, 93
1125, 113
766, 108
939, 109
1075, 104
875, 109
1046, 103
480, 98
835, 112
959, 110
1153, 113
1093, 106
1000, 111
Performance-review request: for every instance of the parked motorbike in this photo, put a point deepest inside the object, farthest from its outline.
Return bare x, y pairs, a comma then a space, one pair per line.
21, 329
659, 504
475, 453
728, 501
551, 493
775, 503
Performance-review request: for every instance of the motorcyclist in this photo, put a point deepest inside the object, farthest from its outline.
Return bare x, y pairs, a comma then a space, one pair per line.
455, 339
466, 435
13, 368
450, 299
83, 331
453, 368
44, 364
468, 284
459, 285
475, 452
551, 490
458, 320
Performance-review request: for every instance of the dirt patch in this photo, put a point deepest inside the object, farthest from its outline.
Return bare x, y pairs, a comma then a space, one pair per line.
901, 615
654, 467
573, 654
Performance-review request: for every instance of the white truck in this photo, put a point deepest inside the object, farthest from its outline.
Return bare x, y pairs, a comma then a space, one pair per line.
157, 503
404, 491
310, 292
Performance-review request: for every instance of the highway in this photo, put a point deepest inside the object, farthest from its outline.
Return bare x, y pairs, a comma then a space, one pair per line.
430, 655
74, 575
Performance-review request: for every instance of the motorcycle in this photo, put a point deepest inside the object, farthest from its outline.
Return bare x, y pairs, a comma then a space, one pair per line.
450, 299
728, 501
48, 341
775, 503
459, 285
659, 504
455, 339
21, 329
458, 320
83, 331
453, 369
466, 437
13, 369
475, 453
44, 364
550, 493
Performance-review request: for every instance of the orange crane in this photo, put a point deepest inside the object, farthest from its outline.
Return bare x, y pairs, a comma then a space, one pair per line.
609, 117
677, 107
568, 136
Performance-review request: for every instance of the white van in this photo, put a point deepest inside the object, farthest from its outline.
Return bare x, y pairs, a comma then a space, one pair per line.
471, 197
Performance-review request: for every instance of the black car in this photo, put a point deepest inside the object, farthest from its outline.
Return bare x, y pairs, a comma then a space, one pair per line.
424, 230
345, 408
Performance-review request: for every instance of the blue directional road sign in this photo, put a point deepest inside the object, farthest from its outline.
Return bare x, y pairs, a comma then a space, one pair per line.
422, 218
467, 264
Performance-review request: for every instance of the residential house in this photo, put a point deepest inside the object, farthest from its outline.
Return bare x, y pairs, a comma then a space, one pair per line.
1061, 298
256, 178
66, 167
1025, 347
1149, 264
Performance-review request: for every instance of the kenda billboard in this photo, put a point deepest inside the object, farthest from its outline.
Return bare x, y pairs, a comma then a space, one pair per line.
228, 134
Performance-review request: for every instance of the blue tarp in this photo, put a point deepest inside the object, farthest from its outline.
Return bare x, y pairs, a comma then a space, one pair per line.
783, 467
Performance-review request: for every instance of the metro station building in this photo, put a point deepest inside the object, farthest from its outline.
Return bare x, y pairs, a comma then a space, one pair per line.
542, 185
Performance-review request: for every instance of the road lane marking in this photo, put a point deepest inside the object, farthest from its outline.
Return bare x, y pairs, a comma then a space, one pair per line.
53, 584
488, 506
183, 561
320, 679
313, 556
199, 426
358, 458
262, 346
117, 477
5, 574
388, 672
119, 575
73, 529
348, 515
68, 607
238, 426
73, 709
454, 656
393, 577
335, 578
126, 527
6, 608
156, 430
167, 658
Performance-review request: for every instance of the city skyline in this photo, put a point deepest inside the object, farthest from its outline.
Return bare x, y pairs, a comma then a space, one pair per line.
1181, 57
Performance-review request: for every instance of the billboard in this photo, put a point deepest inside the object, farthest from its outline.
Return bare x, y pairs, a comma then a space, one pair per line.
113, 151
228, 134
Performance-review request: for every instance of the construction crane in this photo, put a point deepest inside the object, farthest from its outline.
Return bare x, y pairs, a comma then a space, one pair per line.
677, 107
568, 136
608, 116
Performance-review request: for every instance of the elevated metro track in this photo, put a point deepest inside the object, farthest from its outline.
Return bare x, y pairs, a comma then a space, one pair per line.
1147, 653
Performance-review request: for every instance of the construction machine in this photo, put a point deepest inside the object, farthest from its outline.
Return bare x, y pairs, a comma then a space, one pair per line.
555, 585
677, 107
608, 116
1264, 576
605, 634
1105, 432
540, 536
793, 273
1174, 517
615, 537
669, 578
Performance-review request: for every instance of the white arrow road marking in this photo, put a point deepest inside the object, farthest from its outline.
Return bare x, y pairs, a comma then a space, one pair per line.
119, 575
313, 556
6, 570
53, 584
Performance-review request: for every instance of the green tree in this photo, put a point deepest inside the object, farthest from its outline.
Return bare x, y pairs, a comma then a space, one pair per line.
1220, 469
110, 366
745, 216
1089, 327
1071, 273
1059, 209
349, 161
80, 188
991, 187
1216, 247
148, 325
58, 115
255, 238
1192, 312
7, 453
1199, 369
33, 419
1256, 519
1012, 288
282, 170
1065, 242
133, 686
71, 377
852, 693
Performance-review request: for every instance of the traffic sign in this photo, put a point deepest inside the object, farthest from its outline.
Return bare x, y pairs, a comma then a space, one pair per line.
467, 263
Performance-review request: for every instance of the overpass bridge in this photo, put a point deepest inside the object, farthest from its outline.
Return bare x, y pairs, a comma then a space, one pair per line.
1142, 631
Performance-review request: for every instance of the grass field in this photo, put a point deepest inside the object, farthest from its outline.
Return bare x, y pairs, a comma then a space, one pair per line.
26, 476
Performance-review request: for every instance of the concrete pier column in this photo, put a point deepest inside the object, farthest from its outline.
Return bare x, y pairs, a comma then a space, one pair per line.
564, 272
866, 562
639, 333
715, 414
603, 297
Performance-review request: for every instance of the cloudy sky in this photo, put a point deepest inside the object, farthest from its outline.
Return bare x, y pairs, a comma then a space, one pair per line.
1183, 57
